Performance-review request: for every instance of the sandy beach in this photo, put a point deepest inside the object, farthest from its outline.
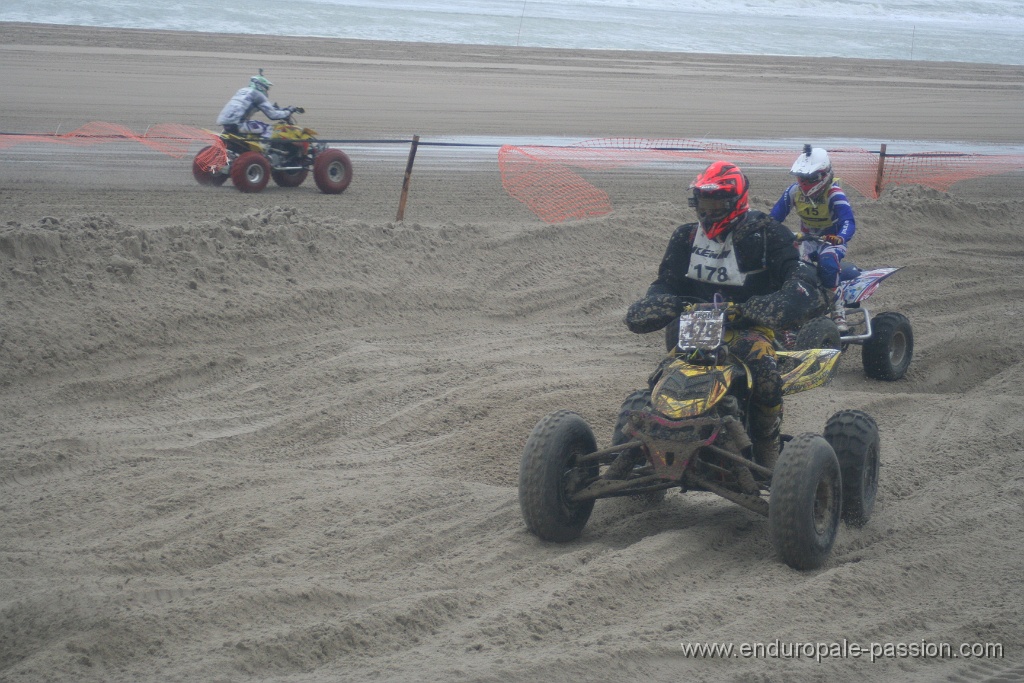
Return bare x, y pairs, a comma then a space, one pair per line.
276, 436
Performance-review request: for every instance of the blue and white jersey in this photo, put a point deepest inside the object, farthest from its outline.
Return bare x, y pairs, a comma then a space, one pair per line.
832, 217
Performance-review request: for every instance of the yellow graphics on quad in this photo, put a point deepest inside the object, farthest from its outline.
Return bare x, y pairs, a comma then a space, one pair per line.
686, 390
287, 131
281, 132
803, 370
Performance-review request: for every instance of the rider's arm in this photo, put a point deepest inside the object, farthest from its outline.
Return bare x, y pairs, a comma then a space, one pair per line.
661, 304
799, 295
782, 207
271, 112
842, 213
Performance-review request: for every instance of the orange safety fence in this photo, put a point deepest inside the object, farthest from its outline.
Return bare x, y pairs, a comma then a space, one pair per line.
546, 178
173, 139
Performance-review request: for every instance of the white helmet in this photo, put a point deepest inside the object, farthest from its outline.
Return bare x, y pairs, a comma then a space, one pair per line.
260, 83
813, 171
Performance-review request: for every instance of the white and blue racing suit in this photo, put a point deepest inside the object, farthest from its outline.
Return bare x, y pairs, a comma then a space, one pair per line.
235, 114
830, 216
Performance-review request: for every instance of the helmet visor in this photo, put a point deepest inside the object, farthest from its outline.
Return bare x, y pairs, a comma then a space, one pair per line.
810, 182
714, 208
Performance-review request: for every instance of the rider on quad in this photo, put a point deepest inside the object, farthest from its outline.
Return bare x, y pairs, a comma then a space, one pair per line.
751, 260
235, 114
825, 213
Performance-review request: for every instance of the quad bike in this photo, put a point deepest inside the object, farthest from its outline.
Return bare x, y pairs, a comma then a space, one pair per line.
689, 430
251, 160
887, 339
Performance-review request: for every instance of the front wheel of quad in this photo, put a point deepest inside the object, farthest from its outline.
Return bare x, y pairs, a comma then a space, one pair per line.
819, 333
887, 354
289, 178
332, 171
250, 172
550, 473
853, 435
805, 503
638, 400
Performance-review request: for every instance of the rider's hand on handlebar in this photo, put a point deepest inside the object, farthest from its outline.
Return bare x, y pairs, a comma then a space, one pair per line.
833, 239
733, 313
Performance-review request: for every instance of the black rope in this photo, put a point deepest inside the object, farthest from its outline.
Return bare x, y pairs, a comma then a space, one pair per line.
422, 143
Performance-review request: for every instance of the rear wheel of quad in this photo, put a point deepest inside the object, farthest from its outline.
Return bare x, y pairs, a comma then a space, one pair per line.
250, 172
819, 333
805, 502
289, 178
853, 435
887, 354
200, 172
638, 400
549, 474
332, 171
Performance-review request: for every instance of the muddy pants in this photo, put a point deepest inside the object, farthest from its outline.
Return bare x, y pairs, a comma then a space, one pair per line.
754, 346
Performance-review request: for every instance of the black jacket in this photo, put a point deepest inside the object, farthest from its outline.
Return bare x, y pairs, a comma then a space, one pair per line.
784, 294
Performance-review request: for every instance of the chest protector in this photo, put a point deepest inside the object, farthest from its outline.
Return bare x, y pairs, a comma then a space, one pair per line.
713, 262
815, 217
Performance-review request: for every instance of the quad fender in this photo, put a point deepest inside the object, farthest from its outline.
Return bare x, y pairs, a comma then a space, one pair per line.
242, 143
810, 369
864, 284
286, 131
686, 390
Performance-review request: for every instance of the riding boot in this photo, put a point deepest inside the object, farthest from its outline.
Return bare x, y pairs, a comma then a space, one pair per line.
839, 311
765, 425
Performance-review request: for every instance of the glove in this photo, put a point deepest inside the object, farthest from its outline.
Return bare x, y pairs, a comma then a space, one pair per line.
298, 110
733, 314
652, 312
833, 239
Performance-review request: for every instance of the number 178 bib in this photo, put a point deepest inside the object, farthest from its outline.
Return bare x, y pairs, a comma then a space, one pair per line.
714, 262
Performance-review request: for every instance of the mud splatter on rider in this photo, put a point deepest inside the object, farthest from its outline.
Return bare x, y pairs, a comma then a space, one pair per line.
751, 260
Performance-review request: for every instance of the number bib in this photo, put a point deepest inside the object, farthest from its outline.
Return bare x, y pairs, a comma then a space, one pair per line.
715, 262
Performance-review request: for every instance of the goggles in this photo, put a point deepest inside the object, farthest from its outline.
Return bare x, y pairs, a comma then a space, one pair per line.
809, 182
714, 207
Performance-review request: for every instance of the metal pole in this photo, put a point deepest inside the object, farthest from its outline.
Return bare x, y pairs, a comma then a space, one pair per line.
408, 176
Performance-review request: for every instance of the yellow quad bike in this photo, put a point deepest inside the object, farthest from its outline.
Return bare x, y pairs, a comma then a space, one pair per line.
689, 431
251, 161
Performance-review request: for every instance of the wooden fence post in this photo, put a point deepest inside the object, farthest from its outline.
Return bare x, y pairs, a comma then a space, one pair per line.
408, 176
881, 172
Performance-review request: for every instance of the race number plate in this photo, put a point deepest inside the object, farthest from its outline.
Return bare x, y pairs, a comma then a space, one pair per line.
701, 330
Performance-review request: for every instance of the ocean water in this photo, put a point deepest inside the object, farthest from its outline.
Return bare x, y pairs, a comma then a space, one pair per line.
986, 31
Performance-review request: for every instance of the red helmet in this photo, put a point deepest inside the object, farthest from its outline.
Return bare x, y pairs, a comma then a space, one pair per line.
720, 195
